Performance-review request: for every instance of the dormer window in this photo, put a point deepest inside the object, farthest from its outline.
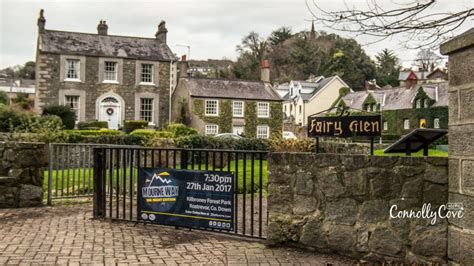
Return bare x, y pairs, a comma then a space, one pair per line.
418, 103
427, 103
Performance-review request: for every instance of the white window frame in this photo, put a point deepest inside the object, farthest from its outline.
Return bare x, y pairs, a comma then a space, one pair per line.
259, 111
77, 69
436, 123
261, 135
406, 124
107, 79
141, 116
418, 103
77, 109
425, 103
385, 125
152, 82
206, 109
211, 129
237, 114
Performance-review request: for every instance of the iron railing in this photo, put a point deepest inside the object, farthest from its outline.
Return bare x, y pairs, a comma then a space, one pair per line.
116, 176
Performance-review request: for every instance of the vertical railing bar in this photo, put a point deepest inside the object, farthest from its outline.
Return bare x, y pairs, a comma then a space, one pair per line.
244, 189
91, 177
159, 158
174, 159
192, 160
222, 160
111, 181
260, 196
56, 171
167, 159
50, 173
68, 168
144, 158
199, 160
74, 165
83, 175
213, 161
117, 183
124, 183
252, 182
236, 192
207, 160
152, 158
63, 162
138, 175
131, 190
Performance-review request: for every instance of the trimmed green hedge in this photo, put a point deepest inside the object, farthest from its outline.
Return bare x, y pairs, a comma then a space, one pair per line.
152, 132
91, 132
92, 125
207, 142
132, 125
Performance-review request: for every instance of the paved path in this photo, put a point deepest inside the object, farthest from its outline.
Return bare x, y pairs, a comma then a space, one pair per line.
66, 234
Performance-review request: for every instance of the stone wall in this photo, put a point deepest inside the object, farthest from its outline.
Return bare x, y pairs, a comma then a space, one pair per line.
461, 144
21, 174
340, 203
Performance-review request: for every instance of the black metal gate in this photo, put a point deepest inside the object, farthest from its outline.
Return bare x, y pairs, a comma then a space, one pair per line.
116, 176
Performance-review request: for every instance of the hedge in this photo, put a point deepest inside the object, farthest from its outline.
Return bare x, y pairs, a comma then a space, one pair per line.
92, 125
66, 114
131, 125
152, 132
92, 132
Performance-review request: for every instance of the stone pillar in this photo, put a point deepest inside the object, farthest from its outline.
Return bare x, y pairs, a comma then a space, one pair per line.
461, 145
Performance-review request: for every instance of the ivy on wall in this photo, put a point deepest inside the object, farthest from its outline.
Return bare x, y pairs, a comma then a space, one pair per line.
370, 101
224, 120
395, 119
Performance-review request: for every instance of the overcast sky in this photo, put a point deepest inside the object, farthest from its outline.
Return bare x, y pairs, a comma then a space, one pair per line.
212, 28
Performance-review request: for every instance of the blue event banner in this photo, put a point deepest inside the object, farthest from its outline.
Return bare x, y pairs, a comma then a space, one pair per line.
187, 198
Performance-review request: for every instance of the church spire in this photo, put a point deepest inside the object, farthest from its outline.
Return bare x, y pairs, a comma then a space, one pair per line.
313, 32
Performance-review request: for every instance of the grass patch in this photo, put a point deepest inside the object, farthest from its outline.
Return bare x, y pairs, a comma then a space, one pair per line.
80, 181
431, 152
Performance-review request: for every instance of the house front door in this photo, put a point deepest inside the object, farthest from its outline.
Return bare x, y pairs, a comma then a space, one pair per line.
110, 111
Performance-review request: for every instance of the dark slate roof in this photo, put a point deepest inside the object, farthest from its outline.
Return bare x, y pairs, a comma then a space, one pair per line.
232, 89
76, 43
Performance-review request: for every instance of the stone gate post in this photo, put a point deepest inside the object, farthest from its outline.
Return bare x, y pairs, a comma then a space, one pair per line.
461, 145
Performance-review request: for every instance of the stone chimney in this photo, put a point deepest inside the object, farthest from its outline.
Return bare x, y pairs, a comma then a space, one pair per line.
162, 31
265, 74
41, 21
183, 67
102, 28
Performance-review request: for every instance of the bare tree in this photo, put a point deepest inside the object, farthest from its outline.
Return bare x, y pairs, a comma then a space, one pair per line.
415, 20
427, 60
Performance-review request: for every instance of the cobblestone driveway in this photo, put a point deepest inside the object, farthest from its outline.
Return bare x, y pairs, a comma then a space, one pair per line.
66, 234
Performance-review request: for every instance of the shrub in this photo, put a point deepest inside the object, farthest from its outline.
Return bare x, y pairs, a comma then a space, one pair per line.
206, 142
180, 130
131, 125
4, 98
33, 128
91, 132
107, 139
10, 118
66, 114
92, 125
152, 132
